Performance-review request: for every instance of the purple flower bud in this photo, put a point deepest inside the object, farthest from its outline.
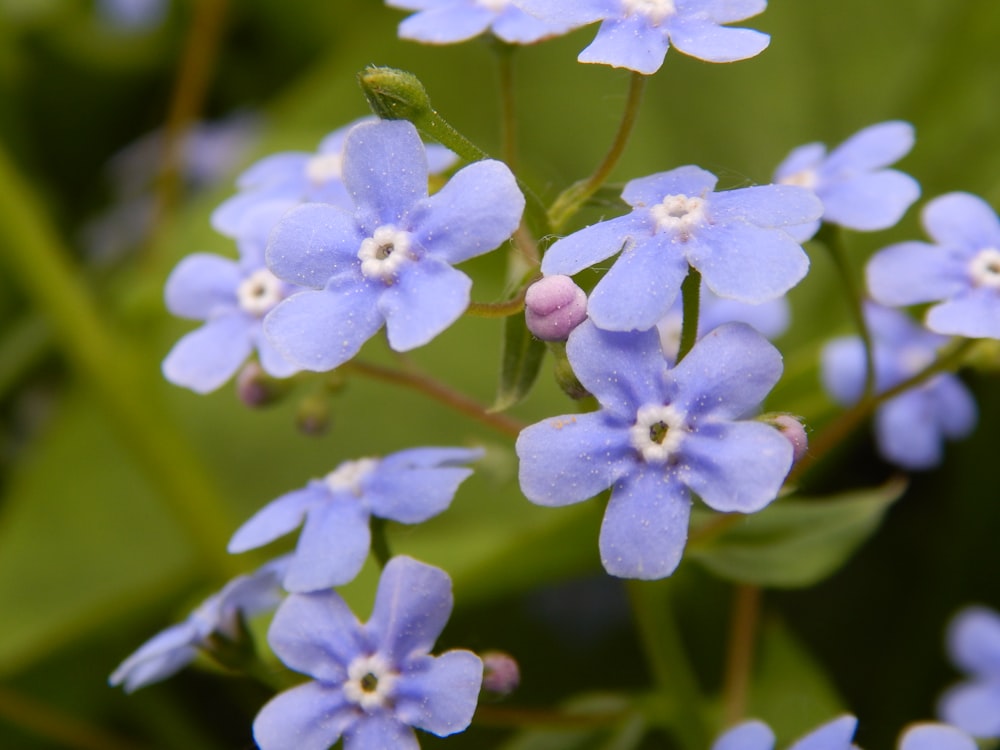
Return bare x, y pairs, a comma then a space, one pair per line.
501, 675
554, 306
794, 431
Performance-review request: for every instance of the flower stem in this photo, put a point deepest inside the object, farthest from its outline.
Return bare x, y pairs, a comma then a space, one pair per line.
571, 199
37, 259
508, 116
739, 656
691, 299
497, 309
840, 428
671, 670
439, 392
519, 718
832, 238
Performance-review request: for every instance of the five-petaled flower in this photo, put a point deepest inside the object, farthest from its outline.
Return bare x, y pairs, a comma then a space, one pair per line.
410, 487
857, 190
232, 297
177, 646
661, 434
389, 260
735, 238
636, 34
372, 682
961, 272
447, 21
910, 428
974, 646
756, 735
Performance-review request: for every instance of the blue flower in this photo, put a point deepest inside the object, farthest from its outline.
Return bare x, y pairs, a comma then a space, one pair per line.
447, 21
389, 260
962, 269
930, 736
304, 177
409, 487
974, 646
856, 189
756, 735
636, 34
232, 297
177, 646
372, 682
909, 428
133, 15
734, 238
661, 434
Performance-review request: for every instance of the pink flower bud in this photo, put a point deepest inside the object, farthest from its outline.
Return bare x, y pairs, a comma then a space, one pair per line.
554, 306
795, 433
501, 675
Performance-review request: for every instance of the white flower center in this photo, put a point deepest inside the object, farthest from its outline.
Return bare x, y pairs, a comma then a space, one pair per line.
349, 475
494, 5
658, 432
679, 214
985, 268
384, 252
324, 168
806, 178
654, 10
259, 292
369, 682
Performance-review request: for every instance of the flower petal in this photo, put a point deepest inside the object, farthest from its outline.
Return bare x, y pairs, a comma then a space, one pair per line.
974, 642
208, 356
313, 242
688, 180
385, 171
321, 330
906, 431
802, 159
479, 207
158, 658
870, 202
909, 273
708, 41
446, 25
844, 368
415, 495
962, 220
202, 285
430, 458
307, 717
571, 458
730, 11
439, 694
973, 315
428, 297
412, 605
973, 707
735, 466
766, 206
834, 735
955, 409
645, 525
632, 42
871, 148
380, 730
316, 634
750, 735
727, 373
936, 737
332, 547
593, 244
278, 517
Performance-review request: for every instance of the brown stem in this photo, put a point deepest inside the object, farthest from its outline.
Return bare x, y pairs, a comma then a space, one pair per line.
440, 392
739, 656
514, 717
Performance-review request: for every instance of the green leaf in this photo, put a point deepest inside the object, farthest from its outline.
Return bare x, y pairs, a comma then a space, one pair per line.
796, 542
521, 360
624, 734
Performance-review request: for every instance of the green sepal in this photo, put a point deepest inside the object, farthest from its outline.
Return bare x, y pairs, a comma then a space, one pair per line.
520, 363
794, 542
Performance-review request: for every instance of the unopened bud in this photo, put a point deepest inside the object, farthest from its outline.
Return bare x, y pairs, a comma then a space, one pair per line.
501, 675
255, 388
395, 94
313, 415
553, 307
793, 430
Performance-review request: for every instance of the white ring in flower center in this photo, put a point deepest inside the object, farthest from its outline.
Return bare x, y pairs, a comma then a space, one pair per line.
654, 10
678, 213
806, 178
369, 682
323, 168
658, 432
384, 252
349, 475
985, 268
259, 292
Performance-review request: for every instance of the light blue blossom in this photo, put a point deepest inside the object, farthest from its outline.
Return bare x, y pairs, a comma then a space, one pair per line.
756, 735
232, 297
636, 34
930, 736
910, 428
735, 238
303, 177
661, 434
974, 646
409, 487
857, 190
389, 261
961, 271
133, 15
374, 682
177, 646
448, 21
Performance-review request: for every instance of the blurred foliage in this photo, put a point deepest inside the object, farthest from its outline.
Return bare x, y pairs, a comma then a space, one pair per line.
95, 555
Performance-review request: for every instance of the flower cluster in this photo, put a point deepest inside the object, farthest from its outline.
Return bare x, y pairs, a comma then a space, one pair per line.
974, 645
